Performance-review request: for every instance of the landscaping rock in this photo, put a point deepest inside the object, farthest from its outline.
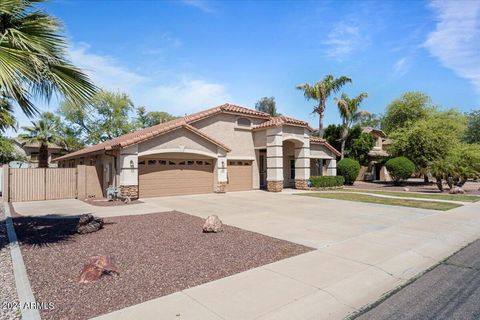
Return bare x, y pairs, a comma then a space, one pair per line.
406, 189
97, 267
87, 223
213, 224
457, 190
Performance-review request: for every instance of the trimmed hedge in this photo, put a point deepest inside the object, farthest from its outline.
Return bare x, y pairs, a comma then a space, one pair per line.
349, 169
326, 181
400, 168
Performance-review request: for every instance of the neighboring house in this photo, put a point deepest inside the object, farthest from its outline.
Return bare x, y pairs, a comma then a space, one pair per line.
31, 150
225, 148
375, 169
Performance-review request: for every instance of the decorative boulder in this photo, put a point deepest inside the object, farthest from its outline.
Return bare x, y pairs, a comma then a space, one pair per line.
406, 189
97, 267
457, 190
213, 224
87, 223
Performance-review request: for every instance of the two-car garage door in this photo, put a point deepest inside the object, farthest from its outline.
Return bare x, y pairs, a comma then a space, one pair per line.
165, 177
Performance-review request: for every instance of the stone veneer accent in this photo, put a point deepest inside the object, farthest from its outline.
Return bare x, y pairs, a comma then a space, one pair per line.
129, 191
274, 186
221, 187
301, 184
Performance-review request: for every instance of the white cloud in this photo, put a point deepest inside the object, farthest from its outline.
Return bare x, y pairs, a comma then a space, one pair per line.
456, 38
199, 4
344, 39
188, 95
104, 71
177, 94
401, 67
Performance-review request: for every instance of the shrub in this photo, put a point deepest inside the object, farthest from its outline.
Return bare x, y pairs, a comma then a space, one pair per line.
400, 168
349, 169
326, 181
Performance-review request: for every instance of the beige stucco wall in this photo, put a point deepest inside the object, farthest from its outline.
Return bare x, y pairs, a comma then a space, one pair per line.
320, 152
181, 140
240, 140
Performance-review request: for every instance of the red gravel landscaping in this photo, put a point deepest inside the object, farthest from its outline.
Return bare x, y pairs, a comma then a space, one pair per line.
156, 254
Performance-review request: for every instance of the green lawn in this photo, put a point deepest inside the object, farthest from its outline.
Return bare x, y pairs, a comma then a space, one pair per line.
437, 196
351, 196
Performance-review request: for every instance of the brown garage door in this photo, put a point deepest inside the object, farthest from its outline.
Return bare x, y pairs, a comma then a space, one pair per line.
166, 177
239, 175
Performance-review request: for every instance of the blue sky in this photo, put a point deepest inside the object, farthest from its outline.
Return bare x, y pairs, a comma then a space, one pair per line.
184, 56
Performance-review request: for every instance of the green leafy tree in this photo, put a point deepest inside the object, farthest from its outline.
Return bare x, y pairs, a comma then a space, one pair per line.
472, 134
8, 152
373, 120
460, 164
267, 105
360, 147
320, 92
33, 63
349, 109
148, 119
106, 116
44, 133
404, 111
428, 139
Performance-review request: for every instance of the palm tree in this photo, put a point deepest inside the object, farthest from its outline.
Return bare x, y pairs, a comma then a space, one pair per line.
6, 115
349, 112
320, 91
33, 63
44, 133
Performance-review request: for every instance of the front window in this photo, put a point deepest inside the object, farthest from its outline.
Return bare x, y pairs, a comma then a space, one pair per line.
244, 122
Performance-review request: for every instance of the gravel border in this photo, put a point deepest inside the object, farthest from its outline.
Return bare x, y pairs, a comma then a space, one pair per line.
8, 293
156, 254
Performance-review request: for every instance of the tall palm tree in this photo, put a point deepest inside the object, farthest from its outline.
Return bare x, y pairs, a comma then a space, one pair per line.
320, 92
33, 63
44, 133
349, 112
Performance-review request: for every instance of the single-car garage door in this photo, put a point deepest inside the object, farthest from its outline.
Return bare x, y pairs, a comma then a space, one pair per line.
239, 175
166, 177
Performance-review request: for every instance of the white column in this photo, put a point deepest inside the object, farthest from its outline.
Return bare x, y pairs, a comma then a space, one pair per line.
331, 167
274, 159
128, 172
221, 171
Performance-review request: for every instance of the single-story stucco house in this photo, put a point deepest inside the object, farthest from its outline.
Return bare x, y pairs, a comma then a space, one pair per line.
225, 148
31, 152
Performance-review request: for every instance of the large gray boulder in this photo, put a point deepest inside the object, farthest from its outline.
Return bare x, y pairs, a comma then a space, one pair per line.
213, 224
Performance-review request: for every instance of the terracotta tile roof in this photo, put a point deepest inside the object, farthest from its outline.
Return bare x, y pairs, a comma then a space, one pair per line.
323, 142
147, 133
281, 120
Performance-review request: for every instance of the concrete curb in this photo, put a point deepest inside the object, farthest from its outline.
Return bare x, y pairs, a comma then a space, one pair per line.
24, 291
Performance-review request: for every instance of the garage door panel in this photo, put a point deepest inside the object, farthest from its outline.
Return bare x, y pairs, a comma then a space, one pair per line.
239, 175
163, 177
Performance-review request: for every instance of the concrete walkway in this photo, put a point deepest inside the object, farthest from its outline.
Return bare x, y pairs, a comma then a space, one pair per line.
364, 251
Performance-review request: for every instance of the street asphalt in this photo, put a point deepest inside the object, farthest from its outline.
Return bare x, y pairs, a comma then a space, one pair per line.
449, 291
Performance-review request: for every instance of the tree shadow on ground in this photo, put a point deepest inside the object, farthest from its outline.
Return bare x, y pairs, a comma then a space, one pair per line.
46, 230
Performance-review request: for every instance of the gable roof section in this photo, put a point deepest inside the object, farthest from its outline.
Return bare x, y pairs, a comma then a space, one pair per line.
323, 142
281, 120
185, 122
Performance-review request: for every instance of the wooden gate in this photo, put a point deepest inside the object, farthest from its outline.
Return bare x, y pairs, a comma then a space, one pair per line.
53, 183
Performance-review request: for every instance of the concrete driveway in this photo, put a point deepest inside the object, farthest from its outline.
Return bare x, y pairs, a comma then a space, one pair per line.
364, 251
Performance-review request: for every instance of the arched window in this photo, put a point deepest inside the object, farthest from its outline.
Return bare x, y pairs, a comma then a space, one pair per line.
244, 122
